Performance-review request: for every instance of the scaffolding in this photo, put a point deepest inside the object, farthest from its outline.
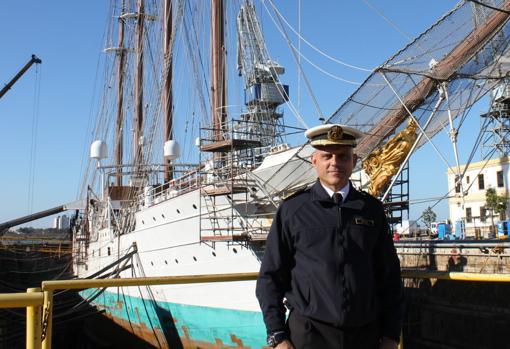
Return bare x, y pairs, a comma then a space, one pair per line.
228, 210
396, 204
497, 126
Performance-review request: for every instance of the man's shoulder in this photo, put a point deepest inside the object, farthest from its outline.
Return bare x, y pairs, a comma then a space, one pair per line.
298, 195
367, 197
293, 201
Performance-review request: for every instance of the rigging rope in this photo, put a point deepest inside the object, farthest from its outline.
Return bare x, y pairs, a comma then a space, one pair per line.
307, 83
299, 54
297, 33
394, 26
489, 6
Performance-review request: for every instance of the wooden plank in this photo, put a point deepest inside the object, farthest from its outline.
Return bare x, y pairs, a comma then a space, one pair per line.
224, 190
230, 144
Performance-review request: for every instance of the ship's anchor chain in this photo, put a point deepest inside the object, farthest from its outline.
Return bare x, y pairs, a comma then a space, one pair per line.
45, 320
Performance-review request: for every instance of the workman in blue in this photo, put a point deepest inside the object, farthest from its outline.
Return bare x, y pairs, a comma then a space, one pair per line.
330, 259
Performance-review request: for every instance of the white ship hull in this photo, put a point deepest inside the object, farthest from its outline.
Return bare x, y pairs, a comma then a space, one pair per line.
169, 240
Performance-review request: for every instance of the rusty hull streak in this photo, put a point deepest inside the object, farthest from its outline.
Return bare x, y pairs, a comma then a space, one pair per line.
149, 336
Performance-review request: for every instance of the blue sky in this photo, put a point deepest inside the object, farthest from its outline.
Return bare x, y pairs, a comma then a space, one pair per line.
68, 37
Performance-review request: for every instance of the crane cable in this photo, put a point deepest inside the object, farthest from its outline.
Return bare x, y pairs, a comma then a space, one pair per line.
33, 142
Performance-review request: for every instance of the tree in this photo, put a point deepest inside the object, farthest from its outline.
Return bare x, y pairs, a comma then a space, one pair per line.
497, 204
428, 216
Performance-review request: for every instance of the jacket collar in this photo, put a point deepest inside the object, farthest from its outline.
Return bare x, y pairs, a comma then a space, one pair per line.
353, 201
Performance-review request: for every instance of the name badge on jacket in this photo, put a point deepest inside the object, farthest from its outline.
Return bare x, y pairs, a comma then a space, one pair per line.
364, 221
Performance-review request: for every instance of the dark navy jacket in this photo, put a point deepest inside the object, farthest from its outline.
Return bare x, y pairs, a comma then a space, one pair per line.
333, 263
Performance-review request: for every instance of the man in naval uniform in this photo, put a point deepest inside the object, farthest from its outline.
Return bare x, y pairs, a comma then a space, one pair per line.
329, 254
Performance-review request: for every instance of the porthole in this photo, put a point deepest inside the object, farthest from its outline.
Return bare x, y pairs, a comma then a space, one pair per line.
166, 262
178, 211
154, 218
143, 221
152, 263
162, 215
235, 251
194, 258
194, 206
176, 261
214, 254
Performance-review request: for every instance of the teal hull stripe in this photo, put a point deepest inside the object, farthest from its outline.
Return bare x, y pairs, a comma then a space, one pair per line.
204, 324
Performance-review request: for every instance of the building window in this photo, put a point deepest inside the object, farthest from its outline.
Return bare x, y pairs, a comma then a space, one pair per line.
481, 182
457, 184
469, 215
467, 179
501, 184
483, 214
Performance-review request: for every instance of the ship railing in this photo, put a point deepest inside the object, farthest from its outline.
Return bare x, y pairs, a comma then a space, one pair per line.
186, 182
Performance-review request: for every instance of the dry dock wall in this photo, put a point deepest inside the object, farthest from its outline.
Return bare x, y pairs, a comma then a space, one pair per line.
456, 314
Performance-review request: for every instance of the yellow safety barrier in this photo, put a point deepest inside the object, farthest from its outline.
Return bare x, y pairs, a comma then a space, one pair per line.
457, 276
159, 280
34, 322
39, 301
32, 300
49, 286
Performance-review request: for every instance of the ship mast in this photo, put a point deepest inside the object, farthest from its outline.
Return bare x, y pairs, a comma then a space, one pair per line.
167, 97
120, 98
218, 90
138, 115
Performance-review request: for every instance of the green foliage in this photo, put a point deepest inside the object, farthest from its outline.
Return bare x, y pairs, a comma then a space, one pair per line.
428, 216
494, 202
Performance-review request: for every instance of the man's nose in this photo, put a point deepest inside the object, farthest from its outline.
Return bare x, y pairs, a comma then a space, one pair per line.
335, 160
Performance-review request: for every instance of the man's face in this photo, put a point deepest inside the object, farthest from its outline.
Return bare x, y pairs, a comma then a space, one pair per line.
334, 165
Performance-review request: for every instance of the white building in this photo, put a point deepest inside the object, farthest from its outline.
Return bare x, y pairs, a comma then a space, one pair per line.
64, 222
470, 207
408, 228
56, 222
61, 222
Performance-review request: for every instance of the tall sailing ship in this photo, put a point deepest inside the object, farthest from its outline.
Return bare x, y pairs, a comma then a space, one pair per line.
148, 213
172, 218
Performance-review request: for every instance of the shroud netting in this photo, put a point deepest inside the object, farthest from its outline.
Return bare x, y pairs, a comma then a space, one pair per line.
464, 52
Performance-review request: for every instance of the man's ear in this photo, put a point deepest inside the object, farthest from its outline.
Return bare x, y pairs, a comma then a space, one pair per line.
313, 159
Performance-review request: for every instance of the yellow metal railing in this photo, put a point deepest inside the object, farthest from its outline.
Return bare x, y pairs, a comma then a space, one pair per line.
455, 276
49, 286
32, 300
39, 301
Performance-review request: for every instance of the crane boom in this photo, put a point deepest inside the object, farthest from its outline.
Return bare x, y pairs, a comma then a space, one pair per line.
7, 87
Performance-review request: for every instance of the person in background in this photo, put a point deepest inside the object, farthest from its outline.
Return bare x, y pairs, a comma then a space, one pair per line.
330, 260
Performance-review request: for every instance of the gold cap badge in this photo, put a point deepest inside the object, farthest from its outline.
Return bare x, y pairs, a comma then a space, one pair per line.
335, 133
